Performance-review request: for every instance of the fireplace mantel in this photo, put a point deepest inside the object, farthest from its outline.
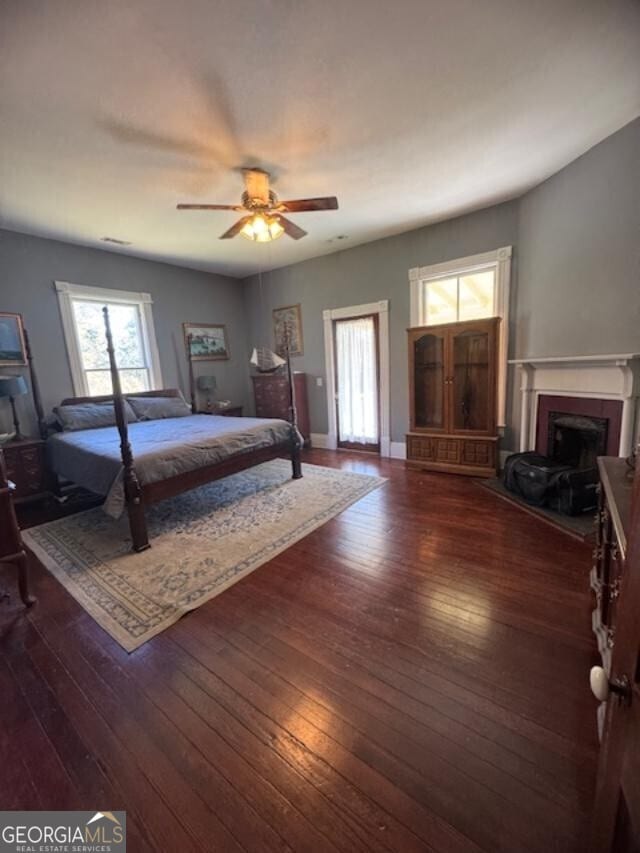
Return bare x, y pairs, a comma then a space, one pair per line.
605, 377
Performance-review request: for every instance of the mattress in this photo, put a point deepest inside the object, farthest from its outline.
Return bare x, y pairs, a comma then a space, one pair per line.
161, 449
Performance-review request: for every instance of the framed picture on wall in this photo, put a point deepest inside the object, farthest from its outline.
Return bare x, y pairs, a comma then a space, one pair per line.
287, 325
13, 352
208, 342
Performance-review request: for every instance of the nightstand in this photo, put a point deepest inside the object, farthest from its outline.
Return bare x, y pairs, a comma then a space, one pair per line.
229, 412
25, 461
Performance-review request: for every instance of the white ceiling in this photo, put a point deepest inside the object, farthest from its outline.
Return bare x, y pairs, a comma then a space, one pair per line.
409, 111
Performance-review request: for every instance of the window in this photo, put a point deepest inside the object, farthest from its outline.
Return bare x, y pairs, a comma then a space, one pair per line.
466, 289
133, 339
464, 297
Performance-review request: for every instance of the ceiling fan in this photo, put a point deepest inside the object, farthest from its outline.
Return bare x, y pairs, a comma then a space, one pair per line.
263, 220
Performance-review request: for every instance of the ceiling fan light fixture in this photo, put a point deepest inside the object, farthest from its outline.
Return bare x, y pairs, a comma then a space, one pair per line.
263, 217
275, 229
262, 228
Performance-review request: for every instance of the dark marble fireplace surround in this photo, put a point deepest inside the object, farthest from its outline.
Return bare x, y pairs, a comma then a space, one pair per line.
575, 430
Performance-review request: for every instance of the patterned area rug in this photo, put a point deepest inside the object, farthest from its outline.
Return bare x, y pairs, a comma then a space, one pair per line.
201, 543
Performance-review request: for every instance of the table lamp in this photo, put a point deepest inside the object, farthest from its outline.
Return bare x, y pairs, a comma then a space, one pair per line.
12, 387
209, 385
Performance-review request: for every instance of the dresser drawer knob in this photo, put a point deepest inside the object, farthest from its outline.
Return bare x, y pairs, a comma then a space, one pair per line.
602, 686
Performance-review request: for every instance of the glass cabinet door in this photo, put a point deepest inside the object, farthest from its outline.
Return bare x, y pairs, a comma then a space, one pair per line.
471, 378
428, 381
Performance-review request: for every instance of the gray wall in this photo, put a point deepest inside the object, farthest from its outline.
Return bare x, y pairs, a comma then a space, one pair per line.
369, 273
29, 266
579, 251
578, 290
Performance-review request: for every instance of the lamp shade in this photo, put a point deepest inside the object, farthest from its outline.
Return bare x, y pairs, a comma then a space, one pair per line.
262, 228
207, 383
12, 386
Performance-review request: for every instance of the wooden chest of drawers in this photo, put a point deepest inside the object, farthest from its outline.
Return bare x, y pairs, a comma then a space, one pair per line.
609, 555
271, 392
25, 462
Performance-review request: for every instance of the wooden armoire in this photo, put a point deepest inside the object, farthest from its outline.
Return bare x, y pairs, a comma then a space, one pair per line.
453, 373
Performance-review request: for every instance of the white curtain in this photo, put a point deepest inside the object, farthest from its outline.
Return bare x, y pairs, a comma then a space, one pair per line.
357, 380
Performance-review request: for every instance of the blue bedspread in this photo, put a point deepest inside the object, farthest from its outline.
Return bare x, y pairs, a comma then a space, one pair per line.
161, 449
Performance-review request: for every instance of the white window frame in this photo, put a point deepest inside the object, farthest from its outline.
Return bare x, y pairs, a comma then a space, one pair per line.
67, 292
329, 315
498, 260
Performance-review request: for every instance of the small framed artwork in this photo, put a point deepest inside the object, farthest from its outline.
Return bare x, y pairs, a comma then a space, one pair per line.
287, 326
208, 342
12, 347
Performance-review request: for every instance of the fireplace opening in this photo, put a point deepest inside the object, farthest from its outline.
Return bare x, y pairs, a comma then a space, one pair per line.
562, 474
576, 440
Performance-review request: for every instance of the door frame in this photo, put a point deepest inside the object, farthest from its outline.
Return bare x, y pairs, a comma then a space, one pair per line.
380, 308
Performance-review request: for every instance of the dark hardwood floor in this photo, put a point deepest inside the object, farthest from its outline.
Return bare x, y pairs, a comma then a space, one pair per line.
413, 676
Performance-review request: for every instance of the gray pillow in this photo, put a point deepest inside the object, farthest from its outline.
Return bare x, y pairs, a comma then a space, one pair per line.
156, 408
90, 415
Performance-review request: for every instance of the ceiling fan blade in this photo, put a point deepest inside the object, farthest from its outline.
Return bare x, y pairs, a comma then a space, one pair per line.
257, 184
291, 228
208, 207
301, 204
235, 229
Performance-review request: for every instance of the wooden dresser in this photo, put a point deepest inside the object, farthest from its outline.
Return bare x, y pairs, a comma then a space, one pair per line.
26, 466
615, 578
271, 392
609, 555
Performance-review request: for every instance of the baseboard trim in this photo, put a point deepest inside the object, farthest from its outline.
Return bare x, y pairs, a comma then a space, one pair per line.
325, 441
321, 441
503, 457
398, 450
392, 449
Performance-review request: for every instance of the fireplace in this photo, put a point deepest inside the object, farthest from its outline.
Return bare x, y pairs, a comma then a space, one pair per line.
576, 430
609, 385
572, 410
561, 473
576, 440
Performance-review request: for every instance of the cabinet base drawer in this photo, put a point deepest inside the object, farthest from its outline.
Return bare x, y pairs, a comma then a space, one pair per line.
475, 457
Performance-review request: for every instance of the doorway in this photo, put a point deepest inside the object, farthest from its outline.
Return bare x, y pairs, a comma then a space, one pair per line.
354, 337
357, 396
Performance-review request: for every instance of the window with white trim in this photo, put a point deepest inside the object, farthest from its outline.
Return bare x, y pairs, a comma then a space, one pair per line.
464, 297
133, 333
469, 288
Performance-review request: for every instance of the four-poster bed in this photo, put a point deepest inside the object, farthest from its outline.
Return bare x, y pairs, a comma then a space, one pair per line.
199, 449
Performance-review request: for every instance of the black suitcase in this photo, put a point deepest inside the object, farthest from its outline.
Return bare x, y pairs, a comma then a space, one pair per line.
532, 476
575, 491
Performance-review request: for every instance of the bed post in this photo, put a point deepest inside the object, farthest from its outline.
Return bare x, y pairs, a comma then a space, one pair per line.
296, 464
132, 489
35, 389
192, 381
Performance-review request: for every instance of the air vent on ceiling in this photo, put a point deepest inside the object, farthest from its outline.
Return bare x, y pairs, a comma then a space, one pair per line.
116, 241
